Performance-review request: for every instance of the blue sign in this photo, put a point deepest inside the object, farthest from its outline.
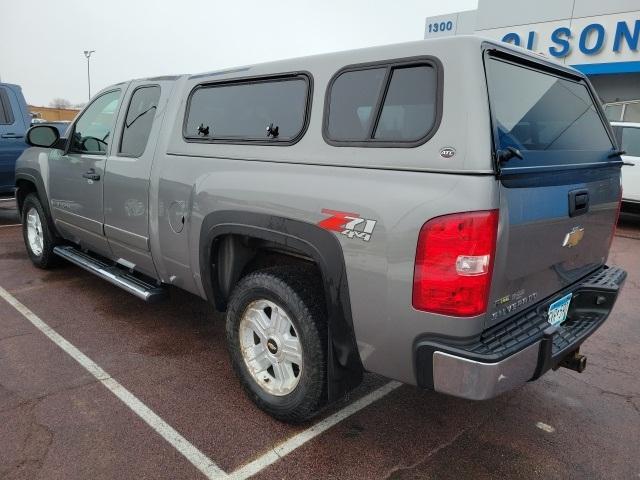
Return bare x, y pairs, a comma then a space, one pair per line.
591, 40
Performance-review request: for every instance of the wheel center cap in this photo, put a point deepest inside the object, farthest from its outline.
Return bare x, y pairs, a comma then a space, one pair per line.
272, 346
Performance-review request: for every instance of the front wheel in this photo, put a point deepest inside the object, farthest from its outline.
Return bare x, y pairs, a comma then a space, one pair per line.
276, 331
38, 238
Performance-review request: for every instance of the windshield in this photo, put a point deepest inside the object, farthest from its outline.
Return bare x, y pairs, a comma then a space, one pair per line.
541, 114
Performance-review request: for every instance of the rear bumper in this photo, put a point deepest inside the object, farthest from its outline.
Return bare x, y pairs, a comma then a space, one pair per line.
520, 349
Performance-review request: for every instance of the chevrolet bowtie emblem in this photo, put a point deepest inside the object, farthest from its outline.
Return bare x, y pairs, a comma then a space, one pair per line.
573, 238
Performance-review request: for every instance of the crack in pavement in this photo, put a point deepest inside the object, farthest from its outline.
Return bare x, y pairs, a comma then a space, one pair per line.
88, 382
604, 390
2, 339
611, 369
425, 458
39, 398
628, 397
35, 447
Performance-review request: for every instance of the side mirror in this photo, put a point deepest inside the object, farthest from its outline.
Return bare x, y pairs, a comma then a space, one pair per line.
43, 136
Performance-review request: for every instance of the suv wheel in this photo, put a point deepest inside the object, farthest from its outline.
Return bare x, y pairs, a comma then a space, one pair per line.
276, 331
35, 230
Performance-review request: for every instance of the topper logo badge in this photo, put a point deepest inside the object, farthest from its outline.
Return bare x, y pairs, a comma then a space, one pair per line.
447, 152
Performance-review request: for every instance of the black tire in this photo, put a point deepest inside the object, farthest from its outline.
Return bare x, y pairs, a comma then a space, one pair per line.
298, 291
45, 259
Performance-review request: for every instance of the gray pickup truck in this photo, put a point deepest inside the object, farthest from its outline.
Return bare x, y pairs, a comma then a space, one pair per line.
438, 212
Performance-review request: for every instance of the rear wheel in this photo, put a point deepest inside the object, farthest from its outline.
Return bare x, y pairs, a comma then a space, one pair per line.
276, 331
38, 238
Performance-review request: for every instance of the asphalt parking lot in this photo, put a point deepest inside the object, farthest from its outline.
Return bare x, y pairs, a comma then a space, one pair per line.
166, 404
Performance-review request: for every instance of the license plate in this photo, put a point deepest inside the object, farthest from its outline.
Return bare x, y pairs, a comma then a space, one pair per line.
558, 310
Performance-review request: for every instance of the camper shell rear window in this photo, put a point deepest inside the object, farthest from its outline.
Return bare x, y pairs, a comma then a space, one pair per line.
551, 119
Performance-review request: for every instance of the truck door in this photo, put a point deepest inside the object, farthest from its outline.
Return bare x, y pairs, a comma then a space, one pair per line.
76, 177
126, 183
12, 131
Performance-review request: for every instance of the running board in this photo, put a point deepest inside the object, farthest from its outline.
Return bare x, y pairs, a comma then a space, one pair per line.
116, 276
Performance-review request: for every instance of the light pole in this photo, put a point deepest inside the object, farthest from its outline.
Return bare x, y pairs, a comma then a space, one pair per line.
87, 53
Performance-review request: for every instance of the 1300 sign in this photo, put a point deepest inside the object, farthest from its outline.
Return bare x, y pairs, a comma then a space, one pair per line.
440, 27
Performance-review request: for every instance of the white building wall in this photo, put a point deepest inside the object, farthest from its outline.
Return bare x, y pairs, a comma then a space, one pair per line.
532, 23
466, 24
614, 72
589, 8
542, 38
508, 13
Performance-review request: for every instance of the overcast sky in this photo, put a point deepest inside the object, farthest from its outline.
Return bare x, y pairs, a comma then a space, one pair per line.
41, 41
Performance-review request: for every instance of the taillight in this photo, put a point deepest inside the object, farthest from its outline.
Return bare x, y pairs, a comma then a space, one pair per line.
454, 262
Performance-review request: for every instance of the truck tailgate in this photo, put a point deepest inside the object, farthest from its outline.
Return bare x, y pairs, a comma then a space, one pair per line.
543, 245
559, 171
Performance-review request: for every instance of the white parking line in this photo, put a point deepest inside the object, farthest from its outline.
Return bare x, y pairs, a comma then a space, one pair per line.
303, 437
12, 225
190, 452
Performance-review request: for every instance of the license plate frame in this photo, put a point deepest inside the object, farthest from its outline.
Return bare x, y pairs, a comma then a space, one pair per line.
558, 310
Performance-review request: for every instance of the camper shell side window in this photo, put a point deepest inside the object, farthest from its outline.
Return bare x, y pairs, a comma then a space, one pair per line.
393, 103
265, 110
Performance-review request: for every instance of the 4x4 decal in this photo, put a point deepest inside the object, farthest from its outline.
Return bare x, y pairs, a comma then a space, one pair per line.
349, 224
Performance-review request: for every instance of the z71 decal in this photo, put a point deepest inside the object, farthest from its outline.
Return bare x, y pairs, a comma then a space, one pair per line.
348, 224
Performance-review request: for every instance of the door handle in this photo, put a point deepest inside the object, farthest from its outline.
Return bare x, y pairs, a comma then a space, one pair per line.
91, 175
11, 135
578, 202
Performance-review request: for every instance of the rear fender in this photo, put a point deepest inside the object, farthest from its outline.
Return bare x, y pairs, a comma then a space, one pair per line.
344, 365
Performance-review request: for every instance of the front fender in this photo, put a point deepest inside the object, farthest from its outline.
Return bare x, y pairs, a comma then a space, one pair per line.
33, 176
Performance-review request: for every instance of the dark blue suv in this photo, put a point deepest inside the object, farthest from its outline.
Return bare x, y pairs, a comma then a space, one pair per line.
14, 123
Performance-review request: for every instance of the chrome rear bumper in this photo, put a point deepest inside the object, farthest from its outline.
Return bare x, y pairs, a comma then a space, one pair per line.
521, 348
474, 380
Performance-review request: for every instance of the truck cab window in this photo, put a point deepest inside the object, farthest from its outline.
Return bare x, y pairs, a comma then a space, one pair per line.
631, 141
6, 115
92, 131
613, 112
632, 112
139, 120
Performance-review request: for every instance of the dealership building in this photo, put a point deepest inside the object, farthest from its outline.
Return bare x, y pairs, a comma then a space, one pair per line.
598, 37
